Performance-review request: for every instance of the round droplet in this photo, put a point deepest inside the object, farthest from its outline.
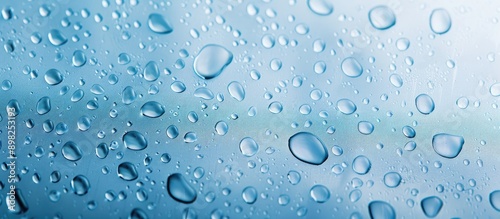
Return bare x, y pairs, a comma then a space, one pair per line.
431, 206
361, 165
151, 71
180, 190
236, 90
293, 177
221, 128
382, 17
307, 148
135, 141
83, 123
71, 151
158, 24
392, 179
495, 200
319, 45
249, 195
268, 41
446, 145
351, 67
43, 106
320, 7
440, 21
424, 104
57, 38
79, 59
275, 107
53, 77
80, 185
365, 127
495, 89
402, 44
463, 102
381, 210
152, 109
172, 131
319, 193
319, 67
248, 146
211, 61
346, 106
127, 171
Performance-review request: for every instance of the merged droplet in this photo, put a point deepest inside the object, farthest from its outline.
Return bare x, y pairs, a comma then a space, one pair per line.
211, 61
424, 104
440, 21
180, 190
319, 193
151, 71
53, 77
71, 151
346, 106
43, 105
381, 210
127, 171
351, 67
308, 148
57, 38
392, 179
495, 199
80, 185
158, 24
320, 7
248, 146
447, 145
135, 141
361, 165
152, 109
249, 195
79, 59
236, 90
382, 17
431, 206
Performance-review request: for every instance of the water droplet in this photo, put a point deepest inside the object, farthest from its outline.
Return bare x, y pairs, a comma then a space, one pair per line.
409, 132
351, 67
446, 145
392, 179
21, 206
424, 104
248, 146
151, 71
44, 10
7, 13
221, 128
128, 95
275, 64
355, 195
410, 146
382, 17
495, 89
178, 87
463, 102
135, 141
57, 38
102, 150
320, 7
123, 59
381, 210
361, 165
431, 206
204, 93
319, 67
152, 109
396, 80
275, 107
138, 213
80, 185
440, 21
268, 41
71, 151
43, 106
307, 148
127, 171
79, 59
180, 190
211, 61
172, 131
249, 195
190, 137
53, 77
346, 106
83, 123
158, 24
319, 193
402, 44
236, 90
365, 127
495, 199
77, 95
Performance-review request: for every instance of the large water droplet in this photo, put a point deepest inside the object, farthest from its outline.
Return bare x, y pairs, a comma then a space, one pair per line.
346, 106
211, 61
135, 141
365, 127
158, 24
172, 131
138, 213
320, 7
381, 210
424, 104
236, 90
43, 106
249, 195
21, 206
179, 189
446, 145
204, 93
53, 77
495, 199
392, 179
221, 128
57, 38
127, 171
308, 148
128, 95
440, 21
178, 87
79, 59
268, 41
80, 185
248, 146
382, 17
319, 193
361, 165
71, 151
351, 67
83, 123
152, 109
431, 206
151, 71
102, 150
275, 107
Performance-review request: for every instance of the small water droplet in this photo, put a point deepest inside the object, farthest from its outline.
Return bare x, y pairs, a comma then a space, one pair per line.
151, 71
351, 67
79, 59
275, 107
178, 87
172, 131
204, 93
102, 150
221, 128
440, 21
57, 38
319, 193
431, 206
236, 90
248, 147
361, 165
446, 145
123, 58
128, 95
392, 179
249, 195
365, 127
381, 210
43, 105
346, 106
307, 148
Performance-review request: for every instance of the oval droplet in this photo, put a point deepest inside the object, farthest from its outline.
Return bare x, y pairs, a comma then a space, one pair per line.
392, 179
275, 107
180, 190
424, 104
204, 93
71, 151
172, 131
446, 145
221, 128
79, 59
495, 199
351, 67
320, 7
152, 109
361, 165
249, 195
151, 71
381, 210
382, 17
102, 150
135, 141
53, 77
365, 127
211, 61
128, 95
346, 106
248, 146
440, 21
43, 106
158, 24
80, 185
127, 171
431, 206
57, 38
319, 193
236, 90
307, 148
